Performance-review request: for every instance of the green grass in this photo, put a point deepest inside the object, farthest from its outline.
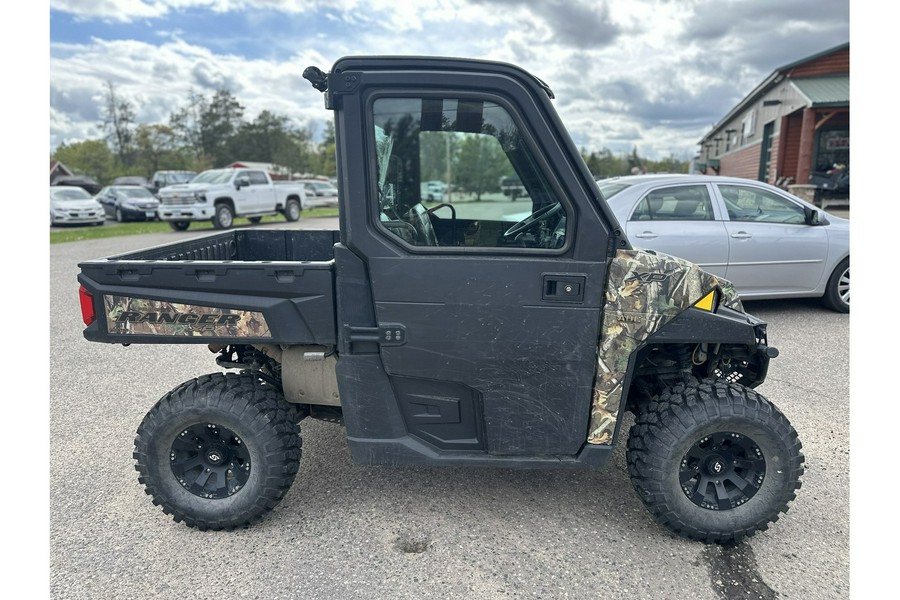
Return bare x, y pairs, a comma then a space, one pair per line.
89, 232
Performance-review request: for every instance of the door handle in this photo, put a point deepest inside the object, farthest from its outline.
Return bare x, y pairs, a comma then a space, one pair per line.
647, 235
742, 235
563, 288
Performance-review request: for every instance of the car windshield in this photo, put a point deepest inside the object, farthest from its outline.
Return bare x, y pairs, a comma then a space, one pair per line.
67, 194
181, 177
216, 176
611, 188
134, 192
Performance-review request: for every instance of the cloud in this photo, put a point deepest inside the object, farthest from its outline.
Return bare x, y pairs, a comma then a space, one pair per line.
652, 73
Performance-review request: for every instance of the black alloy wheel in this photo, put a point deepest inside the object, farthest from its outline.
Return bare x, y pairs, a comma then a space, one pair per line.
210, 461
722, 470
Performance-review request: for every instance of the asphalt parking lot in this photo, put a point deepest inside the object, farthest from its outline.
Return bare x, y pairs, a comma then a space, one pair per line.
347, 531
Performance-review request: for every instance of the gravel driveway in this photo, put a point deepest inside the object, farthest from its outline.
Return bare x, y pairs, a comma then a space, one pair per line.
350, 531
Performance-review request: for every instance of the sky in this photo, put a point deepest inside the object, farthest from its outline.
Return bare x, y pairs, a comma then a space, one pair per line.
655, 75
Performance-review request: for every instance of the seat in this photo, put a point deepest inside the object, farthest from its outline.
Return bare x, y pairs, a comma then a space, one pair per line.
685, 209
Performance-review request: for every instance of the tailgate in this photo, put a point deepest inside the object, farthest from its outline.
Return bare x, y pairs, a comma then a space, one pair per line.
237, 287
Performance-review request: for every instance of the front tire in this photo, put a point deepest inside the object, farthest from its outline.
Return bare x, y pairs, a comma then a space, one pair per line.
120, 218
218, 452
837, 292
179, 225
224, 217
292, 210
714, 461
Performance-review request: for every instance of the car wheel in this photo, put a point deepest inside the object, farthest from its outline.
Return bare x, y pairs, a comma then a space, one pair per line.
292, 210
120, 218
837, 293
224, 217
218, 452
179, 225
714, 461
254, 220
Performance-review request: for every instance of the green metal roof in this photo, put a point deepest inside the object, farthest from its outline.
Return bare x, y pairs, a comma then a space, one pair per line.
825, 91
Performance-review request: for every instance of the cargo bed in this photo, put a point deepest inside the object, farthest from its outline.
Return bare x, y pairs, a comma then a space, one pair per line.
254, 286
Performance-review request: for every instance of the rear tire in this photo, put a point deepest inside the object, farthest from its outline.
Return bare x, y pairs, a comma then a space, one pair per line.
218, 452
179, 225
224, 217
837, 292
292, 210
714, 461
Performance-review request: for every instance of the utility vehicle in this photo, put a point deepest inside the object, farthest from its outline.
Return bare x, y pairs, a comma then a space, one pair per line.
450, 334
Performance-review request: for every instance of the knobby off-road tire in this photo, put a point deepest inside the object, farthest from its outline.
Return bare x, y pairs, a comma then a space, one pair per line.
837, 293
714, 461
218, 452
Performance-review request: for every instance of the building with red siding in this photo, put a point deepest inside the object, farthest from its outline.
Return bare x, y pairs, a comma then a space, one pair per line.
795, 122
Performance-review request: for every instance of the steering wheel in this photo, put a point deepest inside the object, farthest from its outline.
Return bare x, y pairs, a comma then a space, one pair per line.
534, 219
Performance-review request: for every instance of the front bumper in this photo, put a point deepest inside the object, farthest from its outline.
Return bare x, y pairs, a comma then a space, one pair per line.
185, 212
76, 217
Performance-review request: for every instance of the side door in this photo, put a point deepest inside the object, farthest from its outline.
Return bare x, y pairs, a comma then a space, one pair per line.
488, 310
681, 220
260, 194
772, 249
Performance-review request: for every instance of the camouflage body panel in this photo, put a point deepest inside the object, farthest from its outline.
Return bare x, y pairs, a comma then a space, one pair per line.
644, 292
140, 316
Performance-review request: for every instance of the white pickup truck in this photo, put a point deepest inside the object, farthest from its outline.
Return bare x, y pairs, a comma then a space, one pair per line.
220, 195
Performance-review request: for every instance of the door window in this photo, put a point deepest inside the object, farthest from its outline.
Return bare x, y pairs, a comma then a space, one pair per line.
679, 203
257, 178
441, 164
755, 204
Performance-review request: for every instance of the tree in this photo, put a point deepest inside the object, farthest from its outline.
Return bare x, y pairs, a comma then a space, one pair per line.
92, 158
220, 120
480, 165
118, 122
156, 148
185, 123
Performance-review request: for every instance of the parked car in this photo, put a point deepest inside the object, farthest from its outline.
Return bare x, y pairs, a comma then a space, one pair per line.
82, 181
73, 205
767, 242
220, 195
132, 180
128, 203
318, 193
433, 191
163, 179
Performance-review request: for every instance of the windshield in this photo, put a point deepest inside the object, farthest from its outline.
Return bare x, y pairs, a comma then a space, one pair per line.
184, 177
612, 188
75, 193
134, 192
216, 176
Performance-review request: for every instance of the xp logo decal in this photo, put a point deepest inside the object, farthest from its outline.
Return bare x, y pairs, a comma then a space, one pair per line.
648, 277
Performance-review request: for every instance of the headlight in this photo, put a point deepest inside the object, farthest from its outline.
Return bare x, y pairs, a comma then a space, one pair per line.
199, 196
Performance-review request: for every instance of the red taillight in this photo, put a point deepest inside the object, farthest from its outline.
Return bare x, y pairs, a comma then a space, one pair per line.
87, 306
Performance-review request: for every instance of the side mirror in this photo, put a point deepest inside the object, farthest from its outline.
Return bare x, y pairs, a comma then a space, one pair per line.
812, 216
242, 181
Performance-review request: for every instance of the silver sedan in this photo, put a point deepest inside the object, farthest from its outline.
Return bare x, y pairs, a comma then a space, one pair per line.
767, 242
